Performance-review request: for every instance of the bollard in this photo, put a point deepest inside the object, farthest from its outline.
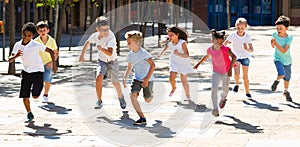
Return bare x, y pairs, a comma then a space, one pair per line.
91, 51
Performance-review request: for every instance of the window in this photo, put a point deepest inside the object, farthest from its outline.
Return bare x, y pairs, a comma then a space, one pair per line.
295, 4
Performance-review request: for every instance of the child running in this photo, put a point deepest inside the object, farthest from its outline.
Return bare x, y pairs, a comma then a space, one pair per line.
32, 74
45, 39
222, 68
143, 66
281, 41
179, 59
241, 47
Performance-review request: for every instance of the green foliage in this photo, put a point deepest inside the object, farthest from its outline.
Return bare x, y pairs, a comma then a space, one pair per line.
51, 3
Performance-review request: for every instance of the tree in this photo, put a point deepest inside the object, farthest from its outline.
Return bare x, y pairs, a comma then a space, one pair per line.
11, 28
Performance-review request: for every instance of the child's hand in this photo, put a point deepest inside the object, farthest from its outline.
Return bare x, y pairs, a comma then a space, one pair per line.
230, 72
19, 53
273, 42
99, 47
145, 83
196, 66
245, 46
124, 82
158, 56
176, 52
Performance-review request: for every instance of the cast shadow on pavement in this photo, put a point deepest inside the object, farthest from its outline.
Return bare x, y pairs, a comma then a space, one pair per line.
46, 131
126, 122
260, 105
7, 89
293, 105
193, 106
51, 107
241, 125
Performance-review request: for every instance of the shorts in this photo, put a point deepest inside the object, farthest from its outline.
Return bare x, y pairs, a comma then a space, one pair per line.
137, 86
244, 62
284, 70
47, 74
34, 80
108, 69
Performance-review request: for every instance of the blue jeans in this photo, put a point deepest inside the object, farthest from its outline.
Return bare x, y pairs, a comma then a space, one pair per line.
284, 70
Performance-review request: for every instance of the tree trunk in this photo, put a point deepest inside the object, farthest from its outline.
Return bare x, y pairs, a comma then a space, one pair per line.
228, 14
12, 24
61, 17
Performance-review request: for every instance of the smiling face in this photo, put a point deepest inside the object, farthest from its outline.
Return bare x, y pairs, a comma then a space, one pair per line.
172, 36
217, 42
43, 31
103, 30
281, 29
241, 27
26, 37
131, 44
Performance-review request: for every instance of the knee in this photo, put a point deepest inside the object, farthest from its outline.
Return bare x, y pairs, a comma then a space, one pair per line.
245, 77
35, 97
133, 96
99, 78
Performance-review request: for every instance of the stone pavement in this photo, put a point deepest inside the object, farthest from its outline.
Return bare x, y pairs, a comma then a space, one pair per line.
71, 120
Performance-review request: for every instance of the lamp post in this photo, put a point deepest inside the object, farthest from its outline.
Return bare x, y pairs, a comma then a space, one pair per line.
3, 25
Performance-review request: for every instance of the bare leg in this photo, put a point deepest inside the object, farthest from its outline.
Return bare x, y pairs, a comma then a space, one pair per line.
27, 104
185, 85
99, 81
47, 87
246, 79
237, 73
172, 81
117, 85
286, 84
136, 104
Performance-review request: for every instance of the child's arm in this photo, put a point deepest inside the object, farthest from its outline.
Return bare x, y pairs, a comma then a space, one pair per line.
108, 51
151, 70
85, 47
282, 49
127, 72
204, 58
162, 52
250, 49
51, 52
226, 42
185, 53
14, 56
233, 58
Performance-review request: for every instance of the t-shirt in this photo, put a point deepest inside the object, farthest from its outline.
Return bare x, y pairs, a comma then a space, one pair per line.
140, 65
105, 42
220, 59
238, 45
31, 59
51, 44
284, 58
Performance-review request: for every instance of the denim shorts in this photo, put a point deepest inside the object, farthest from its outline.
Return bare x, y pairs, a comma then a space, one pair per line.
137, 86
244, 62
47, 77
283, 70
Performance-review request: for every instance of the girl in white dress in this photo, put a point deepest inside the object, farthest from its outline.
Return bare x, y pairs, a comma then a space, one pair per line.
179, 59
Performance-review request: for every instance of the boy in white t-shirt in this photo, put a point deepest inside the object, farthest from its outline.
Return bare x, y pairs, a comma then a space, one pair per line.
32, 74
107, 59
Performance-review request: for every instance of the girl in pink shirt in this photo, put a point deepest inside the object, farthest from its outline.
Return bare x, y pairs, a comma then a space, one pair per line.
222, 68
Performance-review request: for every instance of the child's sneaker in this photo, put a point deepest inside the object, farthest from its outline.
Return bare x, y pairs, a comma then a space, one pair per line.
222, 103
236, 88
248, 96
215, 112
141, 121
287, 96
99, 104
30, 117
122, 102
45, 99
274, 85
187, 99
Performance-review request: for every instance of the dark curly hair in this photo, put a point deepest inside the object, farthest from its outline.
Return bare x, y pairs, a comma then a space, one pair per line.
182, 34
29, 26
283, 20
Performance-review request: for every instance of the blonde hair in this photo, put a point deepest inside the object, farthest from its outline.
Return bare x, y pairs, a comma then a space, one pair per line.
241, 20
136, 36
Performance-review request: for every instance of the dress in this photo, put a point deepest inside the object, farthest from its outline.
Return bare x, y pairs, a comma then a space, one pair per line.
177, 63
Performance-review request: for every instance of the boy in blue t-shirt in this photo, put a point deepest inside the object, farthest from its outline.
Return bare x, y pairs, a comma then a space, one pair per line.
282, 57
143, 66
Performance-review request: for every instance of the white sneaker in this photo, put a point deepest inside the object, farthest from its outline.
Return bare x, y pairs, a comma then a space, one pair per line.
45, 99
